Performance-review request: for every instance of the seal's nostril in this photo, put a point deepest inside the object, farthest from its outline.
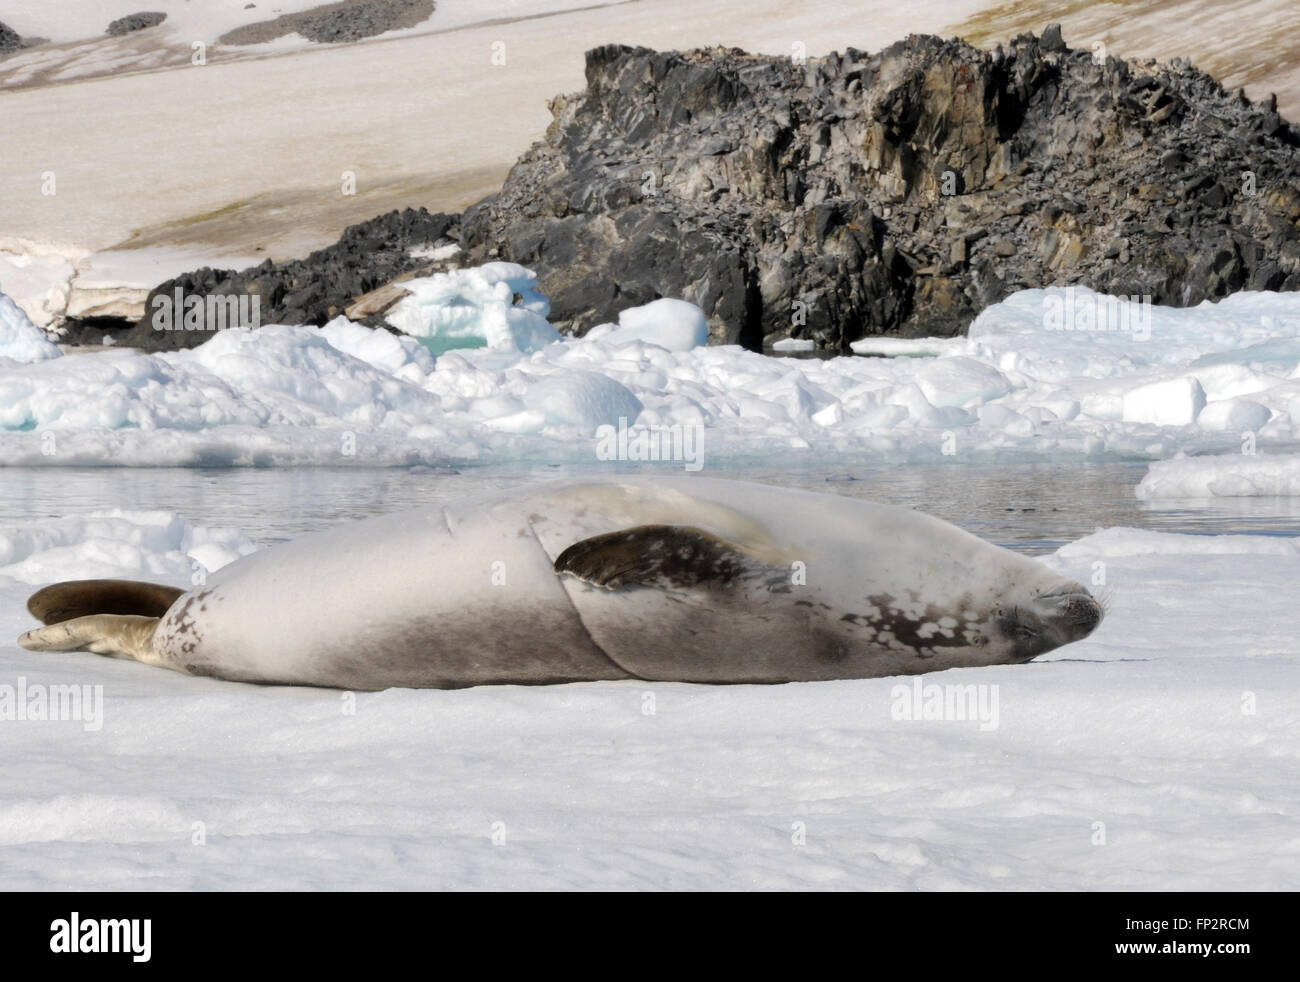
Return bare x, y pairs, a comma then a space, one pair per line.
1082, 613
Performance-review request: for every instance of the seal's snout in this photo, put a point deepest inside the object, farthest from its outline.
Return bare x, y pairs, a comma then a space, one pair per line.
1072, 610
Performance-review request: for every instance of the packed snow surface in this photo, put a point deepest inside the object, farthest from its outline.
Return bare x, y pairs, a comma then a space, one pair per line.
1035, 378
1162, 753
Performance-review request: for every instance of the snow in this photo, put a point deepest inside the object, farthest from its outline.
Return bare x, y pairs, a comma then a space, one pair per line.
36, 276
1170, 733
1233, 416
155, 544
79, 19
582, 400
673, 325
20, 339
1222, 476
491, 64
344, 394
1159, 754
1169, 402
908, 347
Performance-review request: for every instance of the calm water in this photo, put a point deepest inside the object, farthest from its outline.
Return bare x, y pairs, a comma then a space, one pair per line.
1033, 508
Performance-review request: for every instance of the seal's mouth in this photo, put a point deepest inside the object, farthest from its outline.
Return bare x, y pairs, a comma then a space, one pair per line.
1071, 612
1062, 616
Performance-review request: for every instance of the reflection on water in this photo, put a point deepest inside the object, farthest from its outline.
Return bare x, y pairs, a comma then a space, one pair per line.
1033, 508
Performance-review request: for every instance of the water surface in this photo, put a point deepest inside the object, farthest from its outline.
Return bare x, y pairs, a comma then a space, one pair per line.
1033, 508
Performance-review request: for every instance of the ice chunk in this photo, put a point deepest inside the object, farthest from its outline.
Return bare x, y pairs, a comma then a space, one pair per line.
908, 347
1222, 476
583, 400
20, 339
1169, 402
496, 305
960, 381
1233, 416
794, 344
673, 324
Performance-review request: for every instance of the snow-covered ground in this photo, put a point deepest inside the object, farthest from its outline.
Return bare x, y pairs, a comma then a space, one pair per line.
1058, 373
434, 115
1161, 753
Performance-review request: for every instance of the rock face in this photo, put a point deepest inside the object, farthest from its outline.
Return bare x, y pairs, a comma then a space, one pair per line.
858, 194
893, 193
335, 23
9, 39
136, 22
312, 290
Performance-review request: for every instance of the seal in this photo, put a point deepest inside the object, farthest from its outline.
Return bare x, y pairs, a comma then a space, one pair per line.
668, 579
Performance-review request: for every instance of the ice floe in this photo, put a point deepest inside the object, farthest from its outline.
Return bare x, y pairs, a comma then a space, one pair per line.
483, 376
1171, 727
1223, 476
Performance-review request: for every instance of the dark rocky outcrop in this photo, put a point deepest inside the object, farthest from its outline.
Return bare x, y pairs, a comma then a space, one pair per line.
312, 290
10, 40
891, 193
335, 23
136, 22
899, 192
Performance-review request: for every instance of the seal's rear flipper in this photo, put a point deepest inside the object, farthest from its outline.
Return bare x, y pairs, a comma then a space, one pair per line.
119, 635
658, 555
80, 598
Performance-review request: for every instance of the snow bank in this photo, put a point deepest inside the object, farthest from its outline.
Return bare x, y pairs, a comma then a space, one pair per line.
1173, 726
38, 276
1222, 476
1151, 385
20, 339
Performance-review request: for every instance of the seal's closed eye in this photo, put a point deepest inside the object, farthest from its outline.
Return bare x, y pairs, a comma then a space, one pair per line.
656, 555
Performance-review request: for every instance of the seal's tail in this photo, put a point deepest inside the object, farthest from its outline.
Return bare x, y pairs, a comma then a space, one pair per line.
77, 598
108, 617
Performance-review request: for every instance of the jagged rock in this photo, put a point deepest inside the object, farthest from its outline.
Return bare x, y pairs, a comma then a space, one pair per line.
9, 39
312, 290
335, 23
899, 192
136, 22
825, 200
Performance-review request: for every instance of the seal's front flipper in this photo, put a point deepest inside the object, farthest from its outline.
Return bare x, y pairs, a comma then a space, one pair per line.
658, 556
80, 598
119, 635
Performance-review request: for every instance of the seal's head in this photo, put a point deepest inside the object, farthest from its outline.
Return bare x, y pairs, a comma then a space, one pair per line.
940, 597
1047, 620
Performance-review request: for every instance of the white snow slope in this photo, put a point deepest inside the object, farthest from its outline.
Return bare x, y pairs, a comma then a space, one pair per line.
1161, 753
